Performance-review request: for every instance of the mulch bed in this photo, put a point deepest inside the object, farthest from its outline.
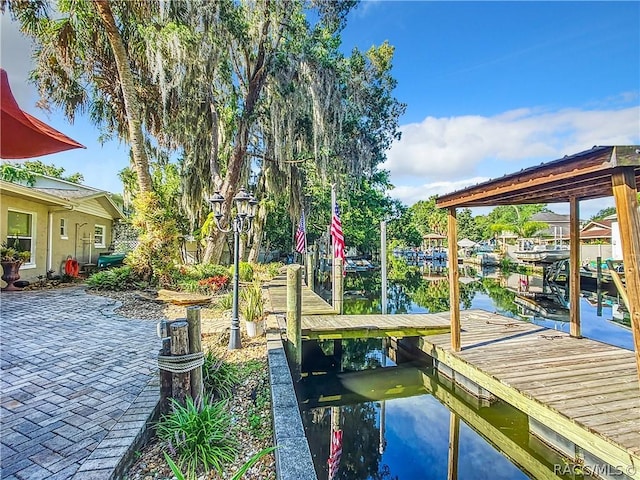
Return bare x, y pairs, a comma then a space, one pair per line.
151, 464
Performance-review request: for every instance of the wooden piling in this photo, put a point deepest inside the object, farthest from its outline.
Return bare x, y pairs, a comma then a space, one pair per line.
338, 286
294, 317
599, 285
625, 192
454, 286
165, 378
574, 267
195, 346
181, 383
310, 274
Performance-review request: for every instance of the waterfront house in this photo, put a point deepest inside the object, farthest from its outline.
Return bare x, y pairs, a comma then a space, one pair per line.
54, 220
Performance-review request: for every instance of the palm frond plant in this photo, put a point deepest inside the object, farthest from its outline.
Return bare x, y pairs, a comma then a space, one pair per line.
219, 377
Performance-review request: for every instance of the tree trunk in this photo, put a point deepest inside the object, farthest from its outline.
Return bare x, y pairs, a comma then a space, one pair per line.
231, 184
134, 123
258, 229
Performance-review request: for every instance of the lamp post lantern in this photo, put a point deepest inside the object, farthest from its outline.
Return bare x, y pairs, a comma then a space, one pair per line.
245, 212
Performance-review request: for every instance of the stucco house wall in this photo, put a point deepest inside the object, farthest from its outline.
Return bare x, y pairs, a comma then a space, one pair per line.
37, 264
64, 218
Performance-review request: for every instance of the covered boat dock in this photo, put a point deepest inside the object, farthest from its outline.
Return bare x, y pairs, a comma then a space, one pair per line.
582, 394
596, 173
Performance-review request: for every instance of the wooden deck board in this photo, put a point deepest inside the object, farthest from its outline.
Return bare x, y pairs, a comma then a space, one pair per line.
320, 321
586, 390
361, 326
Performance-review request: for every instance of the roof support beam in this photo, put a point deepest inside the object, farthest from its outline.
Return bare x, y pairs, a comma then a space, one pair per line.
574, 267
454, 287
625, 194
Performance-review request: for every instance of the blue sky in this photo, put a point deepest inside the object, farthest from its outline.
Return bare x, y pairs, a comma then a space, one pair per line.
490, 88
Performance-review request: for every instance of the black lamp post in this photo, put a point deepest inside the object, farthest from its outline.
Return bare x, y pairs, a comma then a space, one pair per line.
245, 211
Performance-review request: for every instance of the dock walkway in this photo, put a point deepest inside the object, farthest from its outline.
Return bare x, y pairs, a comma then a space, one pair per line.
319, 320
586, 390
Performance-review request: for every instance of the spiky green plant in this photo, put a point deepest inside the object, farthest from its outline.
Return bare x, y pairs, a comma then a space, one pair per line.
202, 438
219, 377
252, 307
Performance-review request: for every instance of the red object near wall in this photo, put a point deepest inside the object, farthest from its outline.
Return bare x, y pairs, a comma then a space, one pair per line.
24, 136
71, 267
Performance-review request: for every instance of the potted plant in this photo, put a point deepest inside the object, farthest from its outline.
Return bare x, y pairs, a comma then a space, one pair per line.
252, 309
11, 258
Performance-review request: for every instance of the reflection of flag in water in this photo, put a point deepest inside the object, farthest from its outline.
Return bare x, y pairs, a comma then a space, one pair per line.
335, 453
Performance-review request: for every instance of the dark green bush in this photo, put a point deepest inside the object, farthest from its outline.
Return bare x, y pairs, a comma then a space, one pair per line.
117, 279
202, 438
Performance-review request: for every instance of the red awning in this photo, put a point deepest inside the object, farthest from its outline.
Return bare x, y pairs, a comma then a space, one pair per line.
24, 136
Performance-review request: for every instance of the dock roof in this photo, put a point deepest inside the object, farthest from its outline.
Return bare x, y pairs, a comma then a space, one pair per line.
585, 175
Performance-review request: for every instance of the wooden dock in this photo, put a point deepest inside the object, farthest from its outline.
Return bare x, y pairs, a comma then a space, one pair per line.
319, 320
312, 303
327, 327
585, 390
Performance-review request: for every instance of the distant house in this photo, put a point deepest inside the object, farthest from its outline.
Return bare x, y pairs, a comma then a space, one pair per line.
558, 225
55, 219
598, 231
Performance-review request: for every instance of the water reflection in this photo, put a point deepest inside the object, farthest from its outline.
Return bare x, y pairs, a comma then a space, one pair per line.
525, 296
408, 434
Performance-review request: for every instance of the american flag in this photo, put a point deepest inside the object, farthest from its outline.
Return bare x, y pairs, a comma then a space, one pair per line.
300, 235
335, 452
336, 234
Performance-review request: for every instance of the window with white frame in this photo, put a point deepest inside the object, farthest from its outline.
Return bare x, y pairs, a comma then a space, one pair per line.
99, 236
20, 228
63, 228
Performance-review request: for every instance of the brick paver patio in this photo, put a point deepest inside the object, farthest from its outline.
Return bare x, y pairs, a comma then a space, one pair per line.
78, 383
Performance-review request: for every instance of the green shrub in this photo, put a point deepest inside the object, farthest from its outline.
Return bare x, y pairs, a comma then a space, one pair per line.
225, 302
245, 270
117, 279
206, 279
206, 270
188, 285
219, 377
273, 268
202, 439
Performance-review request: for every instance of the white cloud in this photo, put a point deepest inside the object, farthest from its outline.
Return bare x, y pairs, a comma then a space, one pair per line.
455, 148
442, 155
411, 194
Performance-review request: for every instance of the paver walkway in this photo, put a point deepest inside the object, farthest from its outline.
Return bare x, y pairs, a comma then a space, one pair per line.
78, 383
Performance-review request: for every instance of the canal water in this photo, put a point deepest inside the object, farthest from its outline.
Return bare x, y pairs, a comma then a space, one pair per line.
394, 422
526, 297
407, 421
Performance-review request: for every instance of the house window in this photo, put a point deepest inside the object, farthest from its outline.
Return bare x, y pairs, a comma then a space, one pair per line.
63, 228
20, 233
98, 236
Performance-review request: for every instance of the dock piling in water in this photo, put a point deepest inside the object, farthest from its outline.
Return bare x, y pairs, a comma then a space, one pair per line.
294, 316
